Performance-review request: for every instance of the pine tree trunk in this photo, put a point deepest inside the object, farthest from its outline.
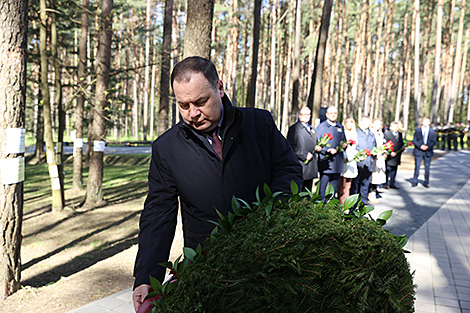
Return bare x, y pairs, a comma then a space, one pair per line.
94, 196
437, 62
457, 65
315, 96
197, 36
165, 68
13, 46
417, 93
296, 67
253, 69
60, 106
272, 102
145, 117
57, 200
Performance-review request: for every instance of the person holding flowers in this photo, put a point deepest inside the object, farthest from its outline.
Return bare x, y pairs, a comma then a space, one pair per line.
394, 158
365, 144
303, 140
350, 165
379, 176
331, 160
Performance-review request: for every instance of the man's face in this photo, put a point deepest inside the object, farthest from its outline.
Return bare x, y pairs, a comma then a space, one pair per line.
394, 127
200, 105
332, 114
426, 122
365, 123
378, 125
304, 115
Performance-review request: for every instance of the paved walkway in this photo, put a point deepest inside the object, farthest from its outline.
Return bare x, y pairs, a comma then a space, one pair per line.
437, 222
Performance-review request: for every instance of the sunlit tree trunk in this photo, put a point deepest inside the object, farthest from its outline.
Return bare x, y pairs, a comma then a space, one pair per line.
253, 69
437, 62
14, 25
57, 199
60, 105
417, 93
296, 67
315, 95
147, 73
165, 68
79, 111
457, 65
272, 102
94, 196
197, 36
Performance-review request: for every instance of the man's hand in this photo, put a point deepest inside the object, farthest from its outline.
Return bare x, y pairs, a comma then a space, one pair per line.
424, 147
331, 151
344, 145
393, 154
318, 148
139, 295
309, 156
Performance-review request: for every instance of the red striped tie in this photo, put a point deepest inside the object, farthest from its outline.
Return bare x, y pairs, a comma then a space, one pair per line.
216, 143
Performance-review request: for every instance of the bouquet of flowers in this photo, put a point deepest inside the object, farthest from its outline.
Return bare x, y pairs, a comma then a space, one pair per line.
362, 154
350, 142
323, 141
386, 148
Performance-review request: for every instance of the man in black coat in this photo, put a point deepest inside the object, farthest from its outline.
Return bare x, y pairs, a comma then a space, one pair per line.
331, 161
394, 158
303, 140
217, 151
424, 140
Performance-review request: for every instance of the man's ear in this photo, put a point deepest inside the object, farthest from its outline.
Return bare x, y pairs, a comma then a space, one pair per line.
220, 87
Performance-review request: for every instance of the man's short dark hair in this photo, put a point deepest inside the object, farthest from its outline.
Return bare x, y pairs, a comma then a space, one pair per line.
183, 70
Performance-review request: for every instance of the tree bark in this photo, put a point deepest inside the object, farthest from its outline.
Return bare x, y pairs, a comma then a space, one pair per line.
14, 25
253, 69
79, 111
94, 196
57, 199
417, 93
145, 117
197, 37
457, 65
437, 62
315, 95
165, 68
59, 104
296, 66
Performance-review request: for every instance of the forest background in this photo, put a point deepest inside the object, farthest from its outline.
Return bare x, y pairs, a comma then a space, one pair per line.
99, 70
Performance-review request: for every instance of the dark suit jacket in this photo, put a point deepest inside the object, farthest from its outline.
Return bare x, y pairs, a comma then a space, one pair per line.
333, 164
399, 145
418, 141
302, 142
366, 141
184, 166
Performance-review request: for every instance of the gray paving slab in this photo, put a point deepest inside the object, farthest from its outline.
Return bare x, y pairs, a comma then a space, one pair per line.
437, 223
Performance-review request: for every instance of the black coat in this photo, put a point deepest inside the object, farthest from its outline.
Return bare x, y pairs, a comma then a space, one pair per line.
331, 164
302, 142
398, 148
185, 165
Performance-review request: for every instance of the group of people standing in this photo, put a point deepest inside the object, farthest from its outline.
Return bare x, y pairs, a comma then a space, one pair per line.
353, 160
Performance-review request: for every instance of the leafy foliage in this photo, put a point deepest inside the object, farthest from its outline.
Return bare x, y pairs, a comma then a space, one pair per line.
300, 255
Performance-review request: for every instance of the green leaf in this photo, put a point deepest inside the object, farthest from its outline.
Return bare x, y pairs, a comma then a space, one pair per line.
268, 208
220, 214
189, 253
257, 195
152, 294
167, 265
199, 249
294, 188
385, 215
350, 202
381, 222
156, 285
330, 190
235, 205
267, 190
231, 218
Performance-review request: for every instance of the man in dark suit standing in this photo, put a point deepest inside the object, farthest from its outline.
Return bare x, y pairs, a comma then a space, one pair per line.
394, 158
331, 161
424, 140
365, 140
303, 140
